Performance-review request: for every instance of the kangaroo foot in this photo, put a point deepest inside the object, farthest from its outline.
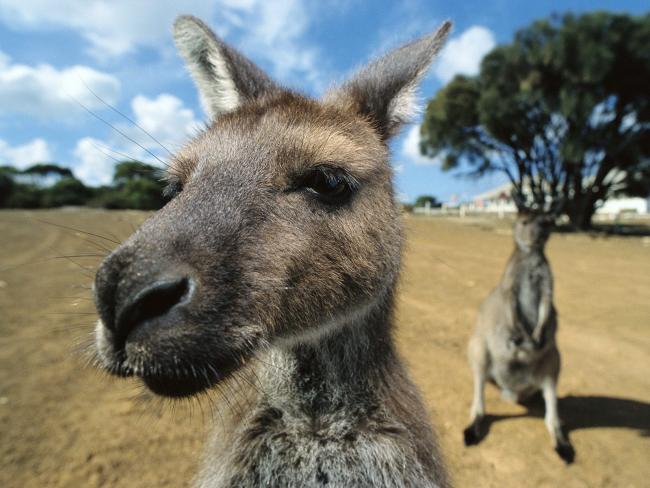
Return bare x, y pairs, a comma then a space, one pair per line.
566, 452
474, 433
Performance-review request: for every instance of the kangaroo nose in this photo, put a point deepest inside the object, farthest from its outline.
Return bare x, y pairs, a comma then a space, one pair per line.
153, 301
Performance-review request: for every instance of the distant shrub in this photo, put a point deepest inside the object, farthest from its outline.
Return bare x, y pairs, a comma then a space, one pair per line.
135, 185
141, 194
422, 201
24, 196
407, 207
6, 188
66, 191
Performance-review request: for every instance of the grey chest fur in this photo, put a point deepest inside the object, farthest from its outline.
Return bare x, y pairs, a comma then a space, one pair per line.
286, 449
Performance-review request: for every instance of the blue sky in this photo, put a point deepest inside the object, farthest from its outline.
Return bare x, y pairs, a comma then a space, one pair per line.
52, 54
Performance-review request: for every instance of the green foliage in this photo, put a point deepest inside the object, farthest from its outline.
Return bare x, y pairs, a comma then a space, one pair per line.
43, 175
126, 171
9, 170
422, 201
67, 191
563, 111
637, 182
48, 169
140, 194
24, 196
6, 188
135, 186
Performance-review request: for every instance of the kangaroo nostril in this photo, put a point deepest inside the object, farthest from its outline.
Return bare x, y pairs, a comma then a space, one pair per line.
153, 301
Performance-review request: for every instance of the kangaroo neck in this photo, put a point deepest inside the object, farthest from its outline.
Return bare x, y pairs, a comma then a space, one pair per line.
521, 260
339, 370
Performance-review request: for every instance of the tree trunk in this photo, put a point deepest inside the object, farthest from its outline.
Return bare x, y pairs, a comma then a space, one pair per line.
580, 211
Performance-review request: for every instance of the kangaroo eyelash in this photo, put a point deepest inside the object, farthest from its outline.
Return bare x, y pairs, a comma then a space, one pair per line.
329, 184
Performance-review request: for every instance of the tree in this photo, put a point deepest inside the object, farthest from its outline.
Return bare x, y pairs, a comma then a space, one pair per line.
9, 170
563, 111
66, 191
6, 188
136, 185
45, 174
24, 196
422, 200
48, 169
6, 184
140, 194
134, 170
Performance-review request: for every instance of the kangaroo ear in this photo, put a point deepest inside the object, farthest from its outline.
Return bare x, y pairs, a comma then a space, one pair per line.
225, 78
385, 90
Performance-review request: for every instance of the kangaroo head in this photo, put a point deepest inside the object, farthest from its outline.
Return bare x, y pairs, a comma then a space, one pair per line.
282, 221
532, 230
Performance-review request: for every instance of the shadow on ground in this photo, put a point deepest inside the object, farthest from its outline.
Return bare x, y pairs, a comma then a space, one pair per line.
606, 230
585, 412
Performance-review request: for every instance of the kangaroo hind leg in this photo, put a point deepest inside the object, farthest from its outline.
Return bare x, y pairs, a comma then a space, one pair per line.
561, 442
478, 358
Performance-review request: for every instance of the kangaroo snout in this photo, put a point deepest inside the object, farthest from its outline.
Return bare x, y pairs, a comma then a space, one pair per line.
173, 311
130, 289
155, 304
137, 300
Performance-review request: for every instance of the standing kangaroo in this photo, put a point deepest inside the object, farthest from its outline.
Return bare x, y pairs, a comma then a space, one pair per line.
277, 259
514, 341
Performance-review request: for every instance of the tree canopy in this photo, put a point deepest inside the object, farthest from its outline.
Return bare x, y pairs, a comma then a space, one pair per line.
66, 191
422, 200
136, 185
48, 169
135, 170
563, 111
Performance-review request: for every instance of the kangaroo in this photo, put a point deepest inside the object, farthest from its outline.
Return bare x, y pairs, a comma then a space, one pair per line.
277, 259
514, 341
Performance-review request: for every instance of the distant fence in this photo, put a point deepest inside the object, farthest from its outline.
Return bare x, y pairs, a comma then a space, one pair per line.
462, 211
503, 212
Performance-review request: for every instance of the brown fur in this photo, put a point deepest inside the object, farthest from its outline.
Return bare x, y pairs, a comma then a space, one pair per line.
514, 341
275, 265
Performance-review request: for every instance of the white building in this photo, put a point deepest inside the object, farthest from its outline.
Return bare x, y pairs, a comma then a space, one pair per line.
499, 201
625, 205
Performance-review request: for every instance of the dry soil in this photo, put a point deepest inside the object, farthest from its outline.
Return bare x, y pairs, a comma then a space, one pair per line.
63, 424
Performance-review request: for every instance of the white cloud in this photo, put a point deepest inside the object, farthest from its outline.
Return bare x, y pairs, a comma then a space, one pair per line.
463, 54
271, 30
48, 93
111, 27
164, 118
92, 166
410, 149
279, 26
23, 156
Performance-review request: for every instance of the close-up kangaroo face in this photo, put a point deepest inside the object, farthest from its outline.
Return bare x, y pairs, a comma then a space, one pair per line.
282, 222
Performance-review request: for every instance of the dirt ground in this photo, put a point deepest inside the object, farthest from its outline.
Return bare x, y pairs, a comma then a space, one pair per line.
62, 423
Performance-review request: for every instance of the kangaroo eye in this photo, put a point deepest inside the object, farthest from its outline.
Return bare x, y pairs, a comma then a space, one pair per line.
330, 185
